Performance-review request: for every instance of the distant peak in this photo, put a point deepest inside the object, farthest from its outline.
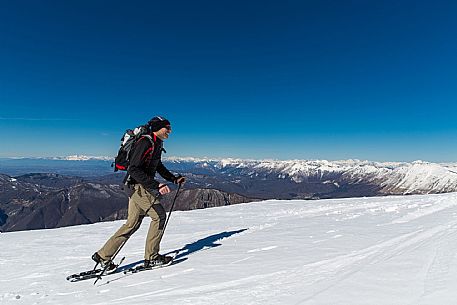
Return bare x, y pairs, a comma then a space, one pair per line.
84, 158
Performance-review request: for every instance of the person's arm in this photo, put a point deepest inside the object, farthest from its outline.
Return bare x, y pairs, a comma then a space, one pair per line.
165, 173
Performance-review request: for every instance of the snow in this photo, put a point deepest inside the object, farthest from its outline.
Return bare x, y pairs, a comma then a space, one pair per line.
85, 158
381, 250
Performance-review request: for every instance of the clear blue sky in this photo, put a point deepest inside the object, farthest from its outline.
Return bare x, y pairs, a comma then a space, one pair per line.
373, 80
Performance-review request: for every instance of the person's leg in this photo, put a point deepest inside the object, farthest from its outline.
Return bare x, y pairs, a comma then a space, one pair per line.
152, 207
134, 218
158, 217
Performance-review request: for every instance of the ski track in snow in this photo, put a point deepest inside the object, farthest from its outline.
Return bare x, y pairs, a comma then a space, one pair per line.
438, 271
382, 250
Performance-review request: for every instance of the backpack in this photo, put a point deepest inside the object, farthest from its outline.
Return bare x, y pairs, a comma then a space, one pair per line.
128, 140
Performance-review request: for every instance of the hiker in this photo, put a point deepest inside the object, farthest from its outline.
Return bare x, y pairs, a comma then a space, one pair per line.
144, 162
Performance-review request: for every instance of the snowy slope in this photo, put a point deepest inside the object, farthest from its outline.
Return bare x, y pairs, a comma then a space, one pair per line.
381, 250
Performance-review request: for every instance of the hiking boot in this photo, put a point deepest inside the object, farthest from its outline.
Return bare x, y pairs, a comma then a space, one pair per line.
158, 261
104, 263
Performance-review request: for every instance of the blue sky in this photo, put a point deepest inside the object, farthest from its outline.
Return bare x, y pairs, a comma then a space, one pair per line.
371, 80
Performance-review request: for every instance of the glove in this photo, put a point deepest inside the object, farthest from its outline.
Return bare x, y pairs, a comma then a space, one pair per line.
179, 180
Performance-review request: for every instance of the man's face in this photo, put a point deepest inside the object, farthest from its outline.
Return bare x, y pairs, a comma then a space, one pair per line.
163, 133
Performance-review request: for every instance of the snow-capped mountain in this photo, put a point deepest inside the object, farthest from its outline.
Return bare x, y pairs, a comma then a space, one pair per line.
358, 251
417, 177
274, 178
69, 158
83, 158
39, 200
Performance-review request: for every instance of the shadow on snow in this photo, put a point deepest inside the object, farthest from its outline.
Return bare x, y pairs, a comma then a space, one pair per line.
204, 243
199, 245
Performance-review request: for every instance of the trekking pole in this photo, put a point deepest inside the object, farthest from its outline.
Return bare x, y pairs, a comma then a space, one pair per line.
171, 209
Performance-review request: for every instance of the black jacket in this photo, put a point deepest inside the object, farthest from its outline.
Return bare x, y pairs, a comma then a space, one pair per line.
144, 164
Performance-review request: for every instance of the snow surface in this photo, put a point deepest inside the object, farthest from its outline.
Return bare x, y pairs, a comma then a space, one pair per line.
381, 250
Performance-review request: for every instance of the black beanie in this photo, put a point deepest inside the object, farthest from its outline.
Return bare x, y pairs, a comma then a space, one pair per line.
157, 123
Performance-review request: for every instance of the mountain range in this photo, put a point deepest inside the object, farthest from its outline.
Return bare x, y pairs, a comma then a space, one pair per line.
37, 201
57, 196
303, 179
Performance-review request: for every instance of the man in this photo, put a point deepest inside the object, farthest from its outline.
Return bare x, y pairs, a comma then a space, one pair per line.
145, 161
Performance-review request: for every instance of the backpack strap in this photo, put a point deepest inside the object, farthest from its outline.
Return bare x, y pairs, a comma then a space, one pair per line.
150, 149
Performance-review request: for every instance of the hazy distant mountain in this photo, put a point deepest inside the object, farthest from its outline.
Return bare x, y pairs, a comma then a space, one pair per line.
82, 168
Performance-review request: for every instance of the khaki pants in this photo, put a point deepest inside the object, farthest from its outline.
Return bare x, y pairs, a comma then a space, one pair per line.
141, 203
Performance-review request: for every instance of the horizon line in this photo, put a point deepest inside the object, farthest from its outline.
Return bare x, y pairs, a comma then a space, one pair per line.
80, 157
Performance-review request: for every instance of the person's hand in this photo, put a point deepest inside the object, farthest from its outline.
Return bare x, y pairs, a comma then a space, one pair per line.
180, 180
163, 189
